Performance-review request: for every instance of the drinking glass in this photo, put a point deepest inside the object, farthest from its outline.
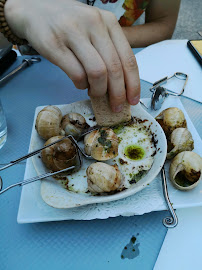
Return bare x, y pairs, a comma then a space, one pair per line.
3, 127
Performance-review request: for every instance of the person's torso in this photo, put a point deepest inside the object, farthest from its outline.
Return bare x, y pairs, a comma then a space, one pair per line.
126, 11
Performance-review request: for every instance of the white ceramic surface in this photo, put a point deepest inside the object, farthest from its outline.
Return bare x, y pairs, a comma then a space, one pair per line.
56, 196
33, 209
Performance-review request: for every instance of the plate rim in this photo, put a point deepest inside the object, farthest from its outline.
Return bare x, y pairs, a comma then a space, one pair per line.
107, 198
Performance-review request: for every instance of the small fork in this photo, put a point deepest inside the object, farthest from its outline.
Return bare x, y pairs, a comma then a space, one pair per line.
172, 221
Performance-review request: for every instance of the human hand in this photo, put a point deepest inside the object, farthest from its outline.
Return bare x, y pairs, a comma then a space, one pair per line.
87, 43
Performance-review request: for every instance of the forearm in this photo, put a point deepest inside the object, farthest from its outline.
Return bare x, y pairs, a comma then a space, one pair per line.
160, 20
147, 34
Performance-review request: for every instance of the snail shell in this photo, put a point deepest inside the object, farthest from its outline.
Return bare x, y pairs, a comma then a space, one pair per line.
60, 155
171, 119
48, 122
180, 140
185, 170
74, 124
101, 144
102, 177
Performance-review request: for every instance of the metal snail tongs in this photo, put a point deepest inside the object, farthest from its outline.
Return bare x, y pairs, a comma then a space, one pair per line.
160, 93
80, 153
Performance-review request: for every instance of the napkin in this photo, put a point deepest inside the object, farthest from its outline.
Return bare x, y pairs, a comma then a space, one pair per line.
167, 57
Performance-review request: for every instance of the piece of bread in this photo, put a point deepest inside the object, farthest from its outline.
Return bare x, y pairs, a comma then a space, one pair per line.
105, 116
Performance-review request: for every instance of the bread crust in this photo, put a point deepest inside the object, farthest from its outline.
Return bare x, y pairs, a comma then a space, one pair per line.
105, 116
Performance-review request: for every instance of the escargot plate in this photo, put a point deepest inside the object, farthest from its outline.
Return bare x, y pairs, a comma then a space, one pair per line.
141, 155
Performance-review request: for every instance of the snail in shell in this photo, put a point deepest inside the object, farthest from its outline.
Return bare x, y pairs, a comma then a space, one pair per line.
74, 124
185, 170
59, 156
102, 177
48, 122
101, 144
180, 140
170, 119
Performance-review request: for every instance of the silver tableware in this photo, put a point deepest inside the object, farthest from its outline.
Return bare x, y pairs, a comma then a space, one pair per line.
160, 93
43, 176
25, 63
172, 221
158, 98
27, 181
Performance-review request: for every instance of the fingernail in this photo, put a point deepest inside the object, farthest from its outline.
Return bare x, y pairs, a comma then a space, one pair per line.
135, 100
118, 108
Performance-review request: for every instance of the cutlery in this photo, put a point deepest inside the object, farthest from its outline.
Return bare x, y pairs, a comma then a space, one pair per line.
30, 180
172, 221
25, 63
160, 93
43, 176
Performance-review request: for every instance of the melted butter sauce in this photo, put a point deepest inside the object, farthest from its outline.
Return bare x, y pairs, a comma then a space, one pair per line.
134, 152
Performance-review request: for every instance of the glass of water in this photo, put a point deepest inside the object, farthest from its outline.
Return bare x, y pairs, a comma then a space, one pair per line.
3, 127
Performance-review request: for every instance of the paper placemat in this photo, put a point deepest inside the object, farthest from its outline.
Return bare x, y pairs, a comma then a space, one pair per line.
167, 57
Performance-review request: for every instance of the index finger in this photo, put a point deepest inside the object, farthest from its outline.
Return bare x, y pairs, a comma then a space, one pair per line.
128, 61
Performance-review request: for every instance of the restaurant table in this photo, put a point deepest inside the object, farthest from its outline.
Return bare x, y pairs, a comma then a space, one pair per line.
73, 244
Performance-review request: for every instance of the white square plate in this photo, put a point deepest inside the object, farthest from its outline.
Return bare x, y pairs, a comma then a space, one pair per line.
33, 209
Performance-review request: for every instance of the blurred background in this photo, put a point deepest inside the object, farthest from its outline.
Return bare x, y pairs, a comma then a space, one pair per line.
189, 22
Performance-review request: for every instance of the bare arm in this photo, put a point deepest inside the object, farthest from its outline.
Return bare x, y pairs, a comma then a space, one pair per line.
160, 20
98, 58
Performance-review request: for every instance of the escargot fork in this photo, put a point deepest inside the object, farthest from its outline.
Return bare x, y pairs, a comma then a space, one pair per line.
172, 221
